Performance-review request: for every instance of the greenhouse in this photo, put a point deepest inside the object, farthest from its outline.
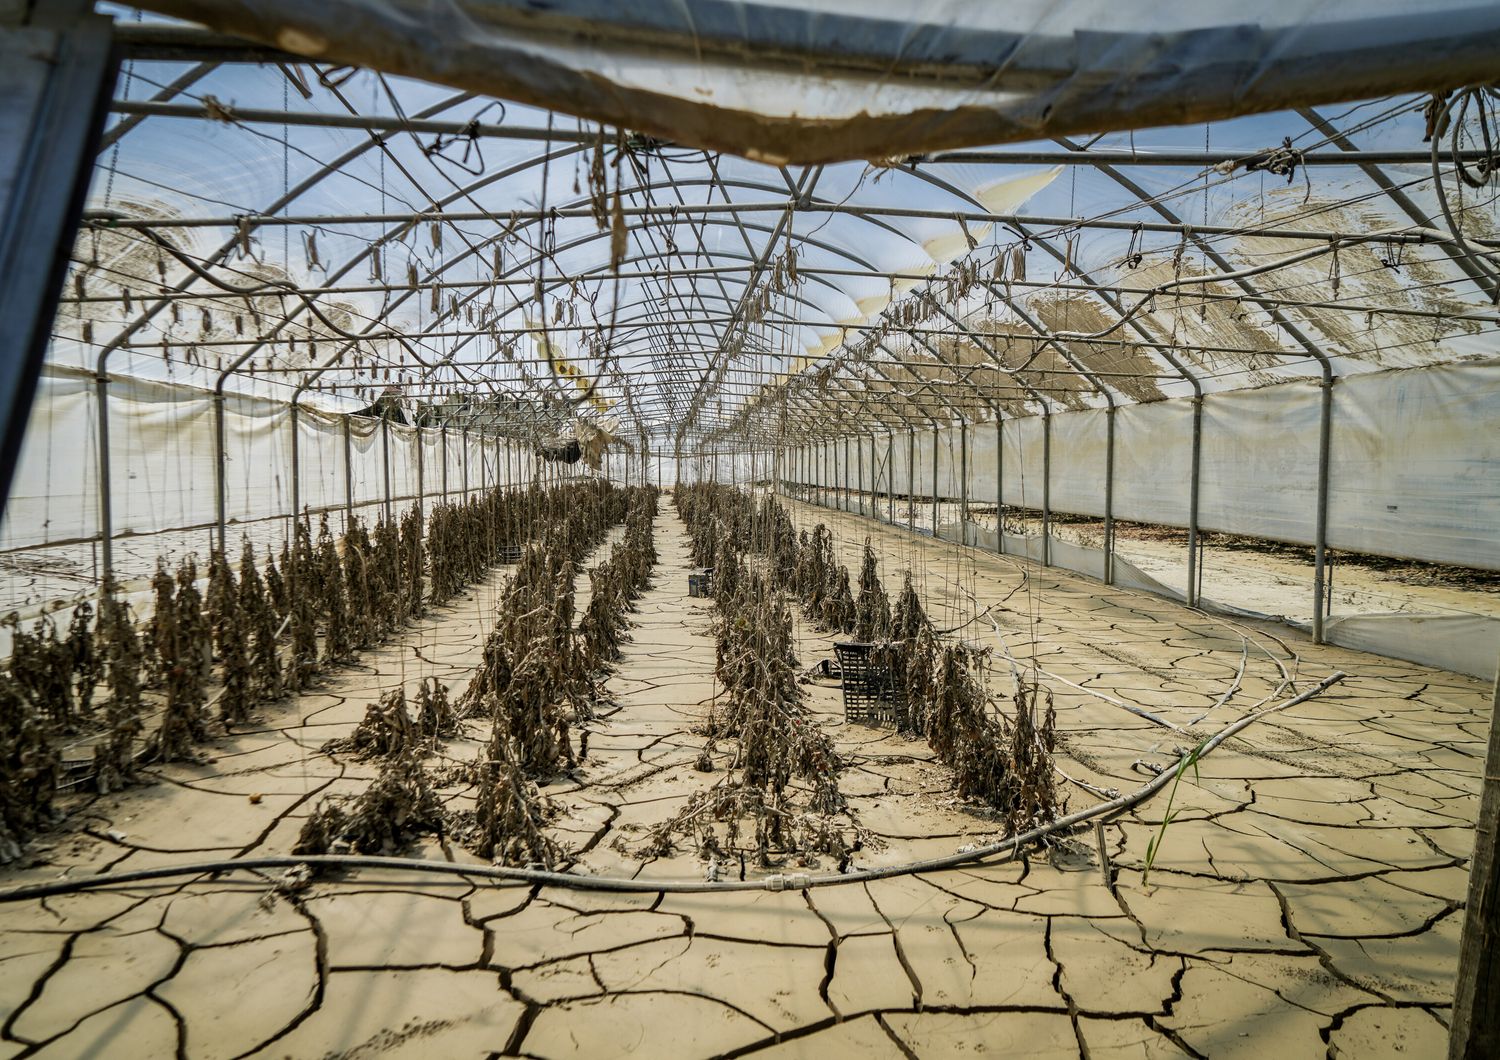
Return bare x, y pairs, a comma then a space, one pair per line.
743, 527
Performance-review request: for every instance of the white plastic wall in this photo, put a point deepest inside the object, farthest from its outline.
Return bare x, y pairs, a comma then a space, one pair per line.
162, 462
1414, 463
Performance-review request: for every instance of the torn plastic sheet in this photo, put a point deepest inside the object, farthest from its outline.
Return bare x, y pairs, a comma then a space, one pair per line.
812, 81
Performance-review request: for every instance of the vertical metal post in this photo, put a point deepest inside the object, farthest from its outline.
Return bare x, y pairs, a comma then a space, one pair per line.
385, 456
999, 484
463, 462
858, 468
835, 478
422, 467
443, 448
846, 481
1320, 528
890, 477
221, 485
1192, 571
106, 514
296, 465
911, 480
348, 473
1109, 495
935, 482
830, 487
963, 482
1046, 488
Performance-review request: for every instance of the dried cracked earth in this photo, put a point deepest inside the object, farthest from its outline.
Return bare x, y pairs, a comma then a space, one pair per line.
1305, 901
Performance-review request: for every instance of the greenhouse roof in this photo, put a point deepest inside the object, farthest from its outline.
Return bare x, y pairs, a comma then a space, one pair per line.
326, 206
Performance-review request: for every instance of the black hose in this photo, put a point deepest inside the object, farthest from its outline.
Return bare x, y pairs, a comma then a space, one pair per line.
790, 881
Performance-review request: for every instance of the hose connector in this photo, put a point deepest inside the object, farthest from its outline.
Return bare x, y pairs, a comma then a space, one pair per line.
791, 881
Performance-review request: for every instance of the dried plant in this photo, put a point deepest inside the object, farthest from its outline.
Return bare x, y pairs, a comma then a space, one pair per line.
303, 603
409, 569
398, 807
227, 620
328, 584
275, 584
361, 587
83, 657
260, 616
436, 719
114, 757
779, 797
42, 667
385, 585
510, 813
386, 731
193, 626
838, 613
872, 611
178, 635
29, 769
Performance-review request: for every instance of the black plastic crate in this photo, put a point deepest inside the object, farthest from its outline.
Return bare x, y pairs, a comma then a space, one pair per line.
701, 583
872, 694
511, 553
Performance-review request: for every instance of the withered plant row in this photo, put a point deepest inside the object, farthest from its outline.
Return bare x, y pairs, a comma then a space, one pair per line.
534, 684
260, 633
536, 679
1003, 760
779, 798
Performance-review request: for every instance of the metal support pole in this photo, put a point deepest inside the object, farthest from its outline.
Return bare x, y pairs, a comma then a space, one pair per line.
463, 462
911, 480
999, 485
443, 446
422, 469
348, 473
1320, 528
858, 468
963, 482
296, 464
1192, 571
830, 487
1109, 496
890, 477
934, 482
385, 455
106, 516
847, 480
1046, 489
221, 486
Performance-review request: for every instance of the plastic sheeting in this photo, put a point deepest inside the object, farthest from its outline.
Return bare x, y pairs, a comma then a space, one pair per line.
817, 81
1414, 459
1465, 644
163, 455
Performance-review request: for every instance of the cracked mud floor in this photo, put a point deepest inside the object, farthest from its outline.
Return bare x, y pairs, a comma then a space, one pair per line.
1306, 900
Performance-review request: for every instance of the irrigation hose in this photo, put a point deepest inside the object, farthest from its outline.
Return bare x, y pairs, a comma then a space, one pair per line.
781, 882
